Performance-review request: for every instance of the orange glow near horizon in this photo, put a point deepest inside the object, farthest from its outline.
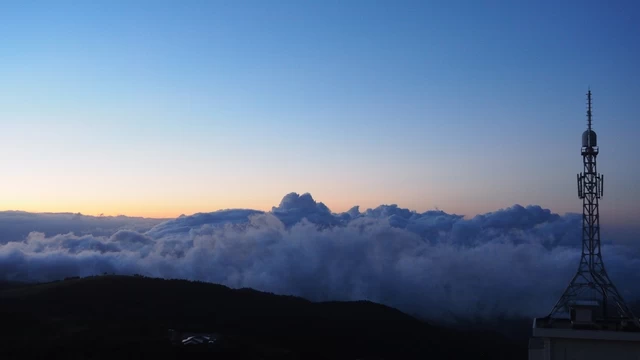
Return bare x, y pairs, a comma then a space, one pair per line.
159, 195
612, 216
169, 209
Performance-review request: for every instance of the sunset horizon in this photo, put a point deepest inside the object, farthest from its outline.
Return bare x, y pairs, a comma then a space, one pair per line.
333, 179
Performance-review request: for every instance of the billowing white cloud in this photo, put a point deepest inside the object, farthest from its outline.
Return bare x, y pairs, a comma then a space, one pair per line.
514, 261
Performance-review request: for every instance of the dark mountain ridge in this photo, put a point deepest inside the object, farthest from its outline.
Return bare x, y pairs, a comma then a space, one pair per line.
107, 316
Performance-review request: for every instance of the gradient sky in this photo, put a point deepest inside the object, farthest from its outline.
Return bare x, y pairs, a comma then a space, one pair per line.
159, 108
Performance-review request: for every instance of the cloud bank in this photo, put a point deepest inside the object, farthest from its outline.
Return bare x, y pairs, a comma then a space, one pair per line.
514, 261
16, 225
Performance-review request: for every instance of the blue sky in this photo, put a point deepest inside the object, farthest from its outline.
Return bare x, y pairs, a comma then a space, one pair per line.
159, 108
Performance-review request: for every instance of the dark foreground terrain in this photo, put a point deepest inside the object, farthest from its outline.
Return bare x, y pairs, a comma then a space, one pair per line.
122, 317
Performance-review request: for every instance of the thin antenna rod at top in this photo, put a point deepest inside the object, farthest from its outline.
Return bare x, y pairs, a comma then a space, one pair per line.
589, 110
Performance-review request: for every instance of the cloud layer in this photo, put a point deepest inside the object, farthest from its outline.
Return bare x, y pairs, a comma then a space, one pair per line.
514, 261
16, 225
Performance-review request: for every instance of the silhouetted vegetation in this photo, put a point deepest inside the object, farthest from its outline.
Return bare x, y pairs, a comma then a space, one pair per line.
11, 285
129, 317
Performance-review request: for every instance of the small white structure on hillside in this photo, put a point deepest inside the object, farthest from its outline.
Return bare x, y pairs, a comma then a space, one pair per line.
199, 339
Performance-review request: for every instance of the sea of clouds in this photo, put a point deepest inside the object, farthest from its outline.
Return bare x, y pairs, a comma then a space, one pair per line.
514, 261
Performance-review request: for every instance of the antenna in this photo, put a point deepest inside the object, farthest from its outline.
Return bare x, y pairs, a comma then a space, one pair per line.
589, 109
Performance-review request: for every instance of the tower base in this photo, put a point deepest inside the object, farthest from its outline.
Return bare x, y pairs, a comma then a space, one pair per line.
562, 341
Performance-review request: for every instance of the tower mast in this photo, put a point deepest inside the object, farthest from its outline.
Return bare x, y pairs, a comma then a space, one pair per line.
591, 286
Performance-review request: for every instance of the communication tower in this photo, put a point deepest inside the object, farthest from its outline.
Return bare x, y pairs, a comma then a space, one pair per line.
591, 287
591, 318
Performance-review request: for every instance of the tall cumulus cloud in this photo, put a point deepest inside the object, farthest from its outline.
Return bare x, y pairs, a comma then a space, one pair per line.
514, 261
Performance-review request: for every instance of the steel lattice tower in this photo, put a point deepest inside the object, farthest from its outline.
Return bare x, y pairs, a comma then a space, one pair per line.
591, 284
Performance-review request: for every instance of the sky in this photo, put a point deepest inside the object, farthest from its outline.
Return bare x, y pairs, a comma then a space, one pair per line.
162, 108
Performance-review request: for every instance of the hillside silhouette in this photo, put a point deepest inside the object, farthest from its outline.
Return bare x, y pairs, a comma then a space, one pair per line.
129, 317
